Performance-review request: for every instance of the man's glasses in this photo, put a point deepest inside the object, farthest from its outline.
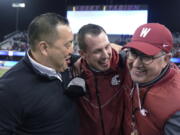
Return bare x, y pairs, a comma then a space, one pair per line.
145, 59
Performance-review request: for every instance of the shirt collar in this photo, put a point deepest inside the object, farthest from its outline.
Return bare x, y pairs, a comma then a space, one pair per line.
44, 69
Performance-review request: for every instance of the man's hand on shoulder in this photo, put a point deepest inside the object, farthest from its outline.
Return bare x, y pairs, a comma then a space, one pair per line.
116, 47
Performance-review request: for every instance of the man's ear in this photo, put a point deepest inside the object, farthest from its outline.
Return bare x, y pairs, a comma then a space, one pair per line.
168, 57
43, 48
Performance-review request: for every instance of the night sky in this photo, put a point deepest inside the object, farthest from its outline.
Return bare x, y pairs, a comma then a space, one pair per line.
162, 11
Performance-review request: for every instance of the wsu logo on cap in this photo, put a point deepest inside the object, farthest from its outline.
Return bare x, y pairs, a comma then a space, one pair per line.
151, 38
144, 32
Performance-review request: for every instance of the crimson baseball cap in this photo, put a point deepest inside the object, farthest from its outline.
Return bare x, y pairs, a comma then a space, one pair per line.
151, 38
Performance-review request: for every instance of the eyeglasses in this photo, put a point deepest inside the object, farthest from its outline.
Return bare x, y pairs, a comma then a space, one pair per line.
145, 59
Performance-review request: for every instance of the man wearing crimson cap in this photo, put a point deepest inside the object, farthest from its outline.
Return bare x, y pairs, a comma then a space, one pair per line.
152, 101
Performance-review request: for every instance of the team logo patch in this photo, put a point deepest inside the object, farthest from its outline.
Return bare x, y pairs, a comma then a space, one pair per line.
164, 45
115, 80
144, 32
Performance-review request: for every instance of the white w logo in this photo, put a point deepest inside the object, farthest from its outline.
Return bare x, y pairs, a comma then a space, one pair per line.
144, 32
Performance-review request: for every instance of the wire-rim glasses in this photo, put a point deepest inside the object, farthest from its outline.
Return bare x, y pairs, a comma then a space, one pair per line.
145, 59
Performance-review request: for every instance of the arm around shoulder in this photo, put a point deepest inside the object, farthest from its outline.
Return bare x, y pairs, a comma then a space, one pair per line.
116, 47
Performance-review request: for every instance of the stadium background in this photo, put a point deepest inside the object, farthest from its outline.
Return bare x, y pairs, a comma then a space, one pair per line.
165, 12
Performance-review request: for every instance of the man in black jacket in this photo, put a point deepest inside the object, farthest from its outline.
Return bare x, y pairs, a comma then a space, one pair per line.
32, 100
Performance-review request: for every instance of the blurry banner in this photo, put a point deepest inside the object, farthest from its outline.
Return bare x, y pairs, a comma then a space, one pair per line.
11, 53
175, 60
10, 58
116, 20
8, 63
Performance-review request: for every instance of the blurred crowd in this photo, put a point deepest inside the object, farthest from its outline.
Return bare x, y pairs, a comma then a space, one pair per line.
19, 42
15, 42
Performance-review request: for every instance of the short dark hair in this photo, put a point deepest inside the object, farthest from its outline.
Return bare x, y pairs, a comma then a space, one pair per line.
43, 28
91, 29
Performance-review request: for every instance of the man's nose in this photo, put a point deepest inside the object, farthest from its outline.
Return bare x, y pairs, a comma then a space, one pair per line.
105, 54
137, 62
71, 49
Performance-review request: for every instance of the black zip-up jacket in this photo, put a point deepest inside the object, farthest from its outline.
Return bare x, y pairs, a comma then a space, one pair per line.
34, 104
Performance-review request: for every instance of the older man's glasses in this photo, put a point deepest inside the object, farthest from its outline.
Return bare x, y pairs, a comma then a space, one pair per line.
145, 59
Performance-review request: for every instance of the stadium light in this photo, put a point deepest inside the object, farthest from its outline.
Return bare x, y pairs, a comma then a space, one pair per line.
18, 5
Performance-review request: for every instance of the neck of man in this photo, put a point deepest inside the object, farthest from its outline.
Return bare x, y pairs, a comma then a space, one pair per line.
93, 69
36, 56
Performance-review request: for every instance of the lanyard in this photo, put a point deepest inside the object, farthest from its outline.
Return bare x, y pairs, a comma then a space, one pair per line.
140, 103
140, 108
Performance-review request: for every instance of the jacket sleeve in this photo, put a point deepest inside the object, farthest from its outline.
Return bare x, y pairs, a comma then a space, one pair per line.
122, 61
172, 127
9, 112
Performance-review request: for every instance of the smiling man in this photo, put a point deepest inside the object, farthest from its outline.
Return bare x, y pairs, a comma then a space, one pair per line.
101, 108
144, 68
32, 99
152, 101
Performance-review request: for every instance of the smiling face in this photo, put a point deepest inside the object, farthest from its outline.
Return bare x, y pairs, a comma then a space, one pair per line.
59, 53
98, 52
143, 73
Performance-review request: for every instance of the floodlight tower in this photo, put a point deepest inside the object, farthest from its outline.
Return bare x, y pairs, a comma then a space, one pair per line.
18, 5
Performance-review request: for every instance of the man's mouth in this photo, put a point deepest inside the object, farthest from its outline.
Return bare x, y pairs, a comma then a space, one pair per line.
104, 63
138, 72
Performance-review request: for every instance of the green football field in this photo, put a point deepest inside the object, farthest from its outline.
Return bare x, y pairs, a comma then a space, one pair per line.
2, 71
